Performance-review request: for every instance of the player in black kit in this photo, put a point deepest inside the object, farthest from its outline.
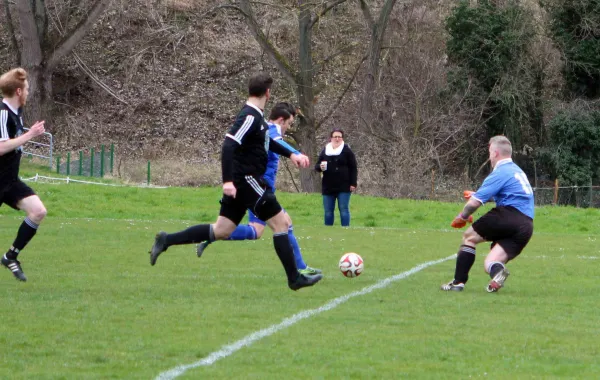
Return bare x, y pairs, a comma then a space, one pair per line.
13, 192
244, 161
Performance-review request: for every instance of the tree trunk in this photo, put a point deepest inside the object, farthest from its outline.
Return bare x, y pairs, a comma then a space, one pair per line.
31, 60
41, 64
378, 29
309, 178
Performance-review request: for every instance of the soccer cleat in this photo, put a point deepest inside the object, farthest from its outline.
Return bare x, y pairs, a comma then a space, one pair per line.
451, 286
498, 281
201, 247
160, 245
305, 280
310, 271
15, 267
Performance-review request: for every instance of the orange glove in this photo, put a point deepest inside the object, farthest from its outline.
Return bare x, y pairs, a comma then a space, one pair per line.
459, 222
467, 194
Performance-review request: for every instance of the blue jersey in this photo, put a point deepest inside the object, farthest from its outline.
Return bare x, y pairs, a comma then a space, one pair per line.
273, 158
509, 186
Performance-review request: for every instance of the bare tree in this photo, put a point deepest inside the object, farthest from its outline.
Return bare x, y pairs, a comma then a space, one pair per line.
39, 57
377, 29
300, 77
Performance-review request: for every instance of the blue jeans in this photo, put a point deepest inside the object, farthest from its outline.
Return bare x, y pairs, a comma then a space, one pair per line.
343, 203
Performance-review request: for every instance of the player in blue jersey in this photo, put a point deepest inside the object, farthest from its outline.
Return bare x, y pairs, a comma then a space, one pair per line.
280, 119
508, 226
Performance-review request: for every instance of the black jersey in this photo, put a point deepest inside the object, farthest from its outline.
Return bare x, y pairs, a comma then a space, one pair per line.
11, 126
250, 131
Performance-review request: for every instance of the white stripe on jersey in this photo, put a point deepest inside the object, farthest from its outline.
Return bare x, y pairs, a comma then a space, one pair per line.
239, 135
252, 182
233, 138
3, 125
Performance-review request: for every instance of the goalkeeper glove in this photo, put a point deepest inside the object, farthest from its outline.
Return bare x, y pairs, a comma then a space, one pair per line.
459, 222
467, 194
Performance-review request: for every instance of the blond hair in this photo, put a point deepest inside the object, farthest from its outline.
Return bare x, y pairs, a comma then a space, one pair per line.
12, 80
502, 144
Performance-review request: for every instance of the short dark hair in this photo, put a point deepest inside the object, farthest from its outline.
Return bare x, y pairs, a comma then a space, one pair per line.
259, 84
336, 130
282, 109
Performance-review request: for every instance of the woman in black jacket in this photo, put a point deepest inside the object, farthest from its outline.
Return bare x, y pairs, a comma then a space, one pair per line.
338, 165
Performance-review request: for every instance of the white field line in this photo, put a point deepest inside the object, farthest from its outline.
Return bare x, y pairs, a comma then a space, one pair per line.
248, 340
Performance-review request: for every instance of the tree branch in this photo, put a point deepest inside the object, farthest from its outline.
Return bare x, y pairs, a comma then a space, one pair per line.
281, 63
341, 97
349, 47
11, 32
222, 6
70, 40
326, 8
367, 14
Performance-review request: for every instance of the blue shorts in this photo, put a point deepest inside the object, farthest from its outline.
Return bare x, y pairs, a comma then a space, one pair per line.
254, 219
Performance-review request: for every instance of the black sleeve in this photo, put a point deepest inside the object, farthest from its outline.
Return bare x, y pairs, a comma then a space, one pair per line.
352, 168
321, 158
227, 151
279, 149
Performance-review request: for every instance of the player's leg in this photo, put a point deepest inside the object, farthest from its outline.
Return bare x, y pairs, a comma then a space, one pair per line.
344, 207
328, 207
251, 231
495, 266
268, 208
464, 260
232, 212
514, 233
22, 197
300, 264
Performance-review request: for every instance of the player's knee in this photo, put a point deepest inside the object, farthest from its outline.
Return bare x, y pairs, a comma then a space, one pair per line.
279, 223
222, 232
260, 229
37, 214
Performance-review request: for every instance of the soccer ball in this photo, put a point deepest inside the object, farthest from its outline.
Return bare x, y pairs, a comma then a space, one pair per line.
351, 264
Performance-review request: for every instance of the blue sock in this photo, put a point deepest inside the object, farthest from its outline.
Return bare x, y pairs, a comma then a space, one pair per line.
300, 264
243, 232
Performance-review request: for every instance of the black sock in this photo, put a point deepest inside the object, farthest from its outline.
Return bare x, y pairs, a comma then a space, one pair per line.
26, 232
464, 262
285, 252
495, 268
194, 234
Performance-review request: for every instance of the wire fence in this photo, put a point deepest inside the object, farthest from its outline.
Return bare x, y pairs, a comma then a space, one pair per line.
577, 196
67, 180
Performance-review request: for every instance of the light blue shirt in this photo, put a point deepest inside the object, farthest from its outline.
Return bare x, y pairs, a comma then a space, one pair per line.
508, 185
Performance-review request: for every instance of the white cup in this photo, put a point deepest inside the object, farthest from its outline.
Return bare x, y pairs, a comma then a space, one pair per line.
323, 165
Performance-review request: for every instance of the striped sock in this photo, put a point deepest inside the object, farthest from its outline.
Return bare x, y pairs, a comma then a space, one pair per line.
26, 232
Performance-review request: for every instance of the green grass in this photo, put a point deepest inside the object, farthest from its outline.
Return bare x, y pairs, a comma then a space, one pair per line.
94, 308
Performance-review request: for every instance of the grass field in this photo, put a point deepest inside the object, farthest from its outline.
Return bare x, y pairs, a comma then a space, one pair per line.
94, 308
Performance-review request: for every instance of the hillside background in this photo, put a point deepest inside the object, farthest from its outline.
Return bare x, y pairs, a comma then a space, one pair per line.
163, 80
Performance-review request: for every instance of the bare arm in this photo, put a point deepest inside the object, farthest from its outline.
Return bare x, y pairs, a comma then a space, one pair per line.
12, 144
471, 206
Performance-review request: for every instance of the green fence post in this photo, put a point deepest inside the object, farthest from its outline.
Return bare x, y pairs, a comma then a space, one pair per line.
92, 163
102, 162
80, 162
112, 157
68, 163
57, 164
148, 172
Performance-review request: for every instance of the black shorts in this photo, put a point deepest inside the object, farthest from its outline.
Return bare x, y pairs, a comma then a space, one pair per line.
252, 194
506, 226
12, 193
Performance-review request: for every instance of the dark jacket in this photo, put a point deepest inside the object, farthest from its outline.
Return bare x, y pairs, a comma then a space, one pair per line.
341, 172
